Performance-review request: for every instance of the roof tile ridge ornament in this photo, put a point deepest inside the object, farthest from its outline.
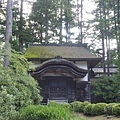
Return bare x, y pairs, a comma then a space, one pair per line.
58, 58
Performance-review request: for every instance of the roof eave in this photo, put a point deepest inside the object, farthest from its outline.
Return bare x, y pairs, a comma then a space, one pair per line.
73, 59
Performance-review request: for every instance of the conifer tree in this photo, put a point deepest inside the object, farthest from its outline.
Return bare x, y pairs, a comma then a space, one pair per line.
8, 33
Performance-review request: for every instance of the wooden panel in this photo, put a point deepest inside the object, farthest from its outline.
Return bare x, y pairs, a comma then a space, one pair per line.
80, 92
71, 89
58, 92
58, 89
44, 89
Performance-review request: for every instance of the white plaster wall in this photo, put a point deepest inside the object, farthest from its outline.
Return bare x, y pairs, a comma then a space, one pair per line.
84, 78
82, 64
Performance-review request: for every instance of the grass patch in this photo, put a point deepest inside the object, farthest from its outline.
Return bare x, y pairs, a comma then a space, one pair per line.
80, 116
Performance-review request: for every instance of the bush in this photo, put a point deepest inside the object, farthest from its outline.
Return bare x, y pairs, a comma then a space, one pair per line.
98, 109
82, 106
88, 109
53, 103
106, 89
116, 110
17, 88
108, 108
41, 112
78, 106
74, 106
64, 105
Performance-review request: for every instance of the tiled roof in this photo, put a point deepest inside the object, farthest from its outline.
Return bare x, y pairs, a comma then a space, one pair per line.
101, 70
63, 51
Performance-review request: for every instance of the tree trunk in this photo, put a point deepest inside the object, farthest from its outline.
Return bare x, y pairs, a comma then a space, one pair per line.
118, 20
67, 24
103, 38
21, 27
61, 12
46, 17
81, 21
8, 33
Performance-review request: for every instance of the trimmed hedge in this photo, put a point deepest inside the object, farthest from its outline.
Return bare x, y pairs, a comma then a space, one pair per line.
98, 109
88, 109
102, 108
116, 109
74, 106
108, 108
78, 106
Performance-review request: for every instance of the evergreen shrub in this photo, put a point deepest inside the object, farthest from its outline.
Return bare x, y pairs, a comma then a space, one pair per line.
74, 106
98, 109
108, 108
88, 109
116, 110
78, 106
17, 88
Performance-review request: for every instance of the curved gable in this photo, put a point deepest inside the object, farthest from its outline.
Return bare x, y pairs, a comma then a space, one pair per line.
59, 66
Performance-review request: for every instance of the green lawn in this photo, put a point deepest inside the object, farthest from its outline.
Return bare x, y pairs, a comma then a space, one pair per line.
77, 116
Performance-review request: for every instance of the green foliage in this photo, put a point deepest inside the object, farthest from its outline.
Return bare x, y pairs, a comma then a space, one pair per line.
15, 44
106, 89
18, 62
63, 105
78, 106
82, 106
40, 112
74, 106
116, 110
17, 88
88, 109
108, 108
53, 103
49, 20
98, 109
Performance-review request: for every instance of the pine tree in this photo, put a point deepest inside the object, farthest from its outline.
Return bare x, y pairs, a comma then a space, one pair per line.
49, 21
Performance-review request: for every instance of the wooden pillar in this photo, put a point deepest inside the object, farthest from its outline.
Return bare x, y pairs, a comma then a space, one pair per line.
89, 87
88, 90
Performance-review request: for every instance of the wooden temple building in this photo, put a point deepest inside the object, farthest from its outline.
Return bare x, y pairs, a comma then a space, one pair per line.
63, 72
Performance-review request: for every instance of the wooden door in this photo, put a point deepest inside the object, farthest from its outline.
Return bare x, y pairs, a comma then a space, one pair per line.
58, 90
